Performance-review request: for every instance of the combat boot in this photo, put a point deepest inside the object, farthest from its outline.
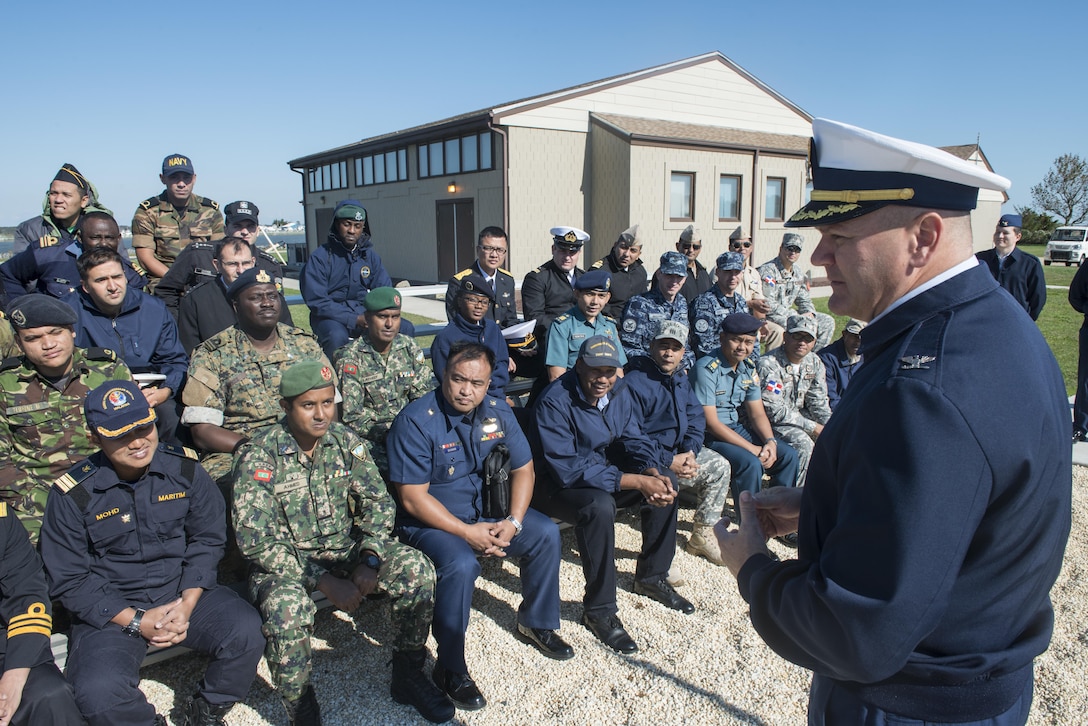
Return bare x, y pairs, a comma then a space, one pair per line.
199, 712
703, 543
411, 687
303, 711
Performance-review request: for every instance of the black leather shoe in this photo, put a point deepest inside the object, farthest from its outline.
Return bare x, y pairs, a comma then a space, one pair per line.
609, 630
662, 592
790, 540
1079, 435
459, 688
547, 642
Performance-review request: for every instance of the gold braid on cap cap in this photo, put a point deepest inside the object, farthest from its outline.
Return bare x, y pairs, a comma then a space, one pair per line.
117, 433
853, 196
570, 237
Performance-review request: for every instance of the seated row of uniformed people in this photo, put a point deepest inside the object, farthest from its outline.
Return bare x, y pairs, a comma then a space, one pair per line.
474, 299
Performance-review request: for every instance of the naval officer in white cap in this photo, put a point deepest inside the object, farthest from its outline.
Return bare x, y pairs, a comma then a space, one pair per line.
935, 514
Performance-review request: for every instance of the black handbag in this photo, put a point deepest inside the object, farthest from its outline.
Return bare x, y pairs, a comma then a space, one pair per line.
496, 483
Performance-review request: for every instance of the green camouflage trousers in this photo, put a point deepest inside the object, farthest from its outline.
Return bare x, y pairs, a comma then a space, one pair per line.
379, 455
30, 509
407, 576
710, 485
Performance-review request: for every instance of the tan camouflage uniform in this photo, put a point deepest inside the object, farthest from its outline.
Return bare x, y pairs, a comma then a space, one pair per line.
156, 225
788, 290
795, 400
298, 518
233, 386
42, 430
376, 387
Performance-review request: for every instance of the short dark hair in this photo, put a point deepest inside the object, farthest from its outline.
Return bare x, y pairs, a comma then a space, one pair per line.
466, 350
493, 232
235, 244
98, 256
97, 214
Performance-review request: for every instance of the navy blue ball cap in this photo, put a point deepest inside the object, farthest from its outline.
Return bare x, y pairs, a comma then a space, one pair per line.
730, 261
1010, 220
177, 163
594, 280
599, 351
249, 278
115, 408
38, 310
241, 211
741, 324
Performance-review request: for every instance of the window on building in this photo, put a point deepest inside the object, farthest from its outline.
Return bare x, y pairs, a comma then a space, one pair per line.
391, 166
774, 207
682, 196
435, 152
453, 156
468, 153
469, 160
328, 176
728, 198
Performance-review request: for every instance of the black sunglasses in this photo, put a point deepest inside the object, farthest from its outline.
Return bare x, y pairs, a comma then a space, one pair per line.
738, 245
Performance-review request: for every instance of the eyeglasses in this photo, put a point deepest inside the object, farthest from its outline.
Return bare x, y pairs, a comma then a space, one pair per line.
738, 245
476, 301
493, 250
792, 250
689, 246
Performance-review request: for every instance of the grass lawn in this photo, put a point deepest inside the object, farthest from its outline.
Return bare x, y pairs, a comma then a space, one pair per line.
1059, 322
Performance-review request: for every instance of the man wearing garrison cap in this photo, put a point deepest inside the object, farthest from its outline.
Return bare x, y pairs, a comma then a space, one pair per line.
624, 264
1015, 270
934, 517
698, 281
42, 432
165, 224
69, 194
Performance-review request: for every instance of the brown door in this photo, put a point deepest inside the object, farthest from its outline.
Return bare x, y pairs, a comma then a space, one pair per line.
323, 221
456, 236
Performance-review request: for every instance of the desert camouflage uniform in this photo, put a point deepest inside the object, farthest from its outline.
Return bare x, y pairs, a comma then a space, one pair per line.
795, 400
156, 225
298, 518
786, 290
376, 387
42, 430
234, 386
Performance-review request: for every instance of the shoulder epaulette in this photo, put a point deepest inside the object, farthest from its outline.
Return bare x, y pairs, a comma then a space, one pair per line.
539, 268
713, 365
3, 509
609, 318
78, 474
9, 364
564, 316
505, 272
48, 241
206, 246
597, 265
100, 354
182, 451
149, 202
209, 203
463, 273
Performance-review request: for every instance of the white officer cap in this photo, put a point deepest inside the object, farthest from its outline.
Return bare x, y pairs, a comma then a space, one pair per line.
569, 236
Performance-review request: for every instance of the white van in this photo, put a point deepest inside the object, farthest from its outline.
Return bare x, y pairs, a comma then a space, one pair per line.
1068, 245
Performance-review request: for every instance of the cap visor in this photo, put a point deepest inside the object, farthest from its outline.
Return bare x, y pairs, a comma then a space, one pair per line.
816, 214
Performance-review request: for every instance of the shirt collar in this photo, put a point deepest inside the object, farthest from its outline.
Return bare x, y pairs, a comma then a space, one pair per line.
929, 284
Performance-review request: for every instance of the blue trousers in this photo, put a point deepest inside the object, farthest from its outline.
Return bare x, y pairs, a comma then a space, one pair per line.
104, 664
830, 704
47, 699
747, 469
537, 551
1080, 403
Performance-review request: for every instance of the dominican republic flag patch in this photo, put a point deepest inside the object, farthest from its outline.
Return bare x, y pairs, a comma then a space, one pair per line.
262, 475
769, 280
774, 386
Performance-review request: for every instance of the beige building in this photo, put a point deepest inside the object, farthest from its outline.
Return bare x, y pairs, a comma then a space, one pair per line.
985, 215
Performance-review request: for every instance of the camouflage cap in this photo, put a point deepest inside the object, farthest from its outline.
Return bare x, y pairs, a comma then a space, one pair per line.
38, 310
599, 352
673, 263
382, 298
249, 278
476, 285
730, 261
176, 164
792, 239
672, 330
116, 408
801, 324
854, 326
307, 375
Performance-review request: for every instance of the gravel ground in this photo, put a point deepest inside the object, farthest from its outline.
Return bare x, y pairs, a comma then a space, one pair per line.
706, 668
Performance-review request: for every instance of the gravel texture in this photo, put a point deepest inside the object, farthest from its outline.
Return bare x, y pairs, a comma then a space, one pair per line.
706, 668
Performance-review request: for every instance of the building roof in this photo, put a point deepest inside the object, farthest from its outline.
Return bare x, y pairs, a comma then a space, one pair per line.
653, 130
482, 117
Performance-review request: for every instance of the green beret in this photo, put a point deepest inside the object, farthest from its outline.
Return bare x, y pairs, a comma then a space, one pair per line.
351, 211
303, 377
382, 298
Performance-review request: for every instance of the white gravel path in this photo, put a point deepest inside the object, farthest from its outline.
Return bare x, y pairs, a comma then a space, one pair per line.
706, 668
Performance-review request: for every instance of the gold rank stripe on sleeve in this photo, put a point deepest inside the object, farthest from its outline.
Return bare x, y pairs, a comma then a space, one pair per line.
3, 509
34, 621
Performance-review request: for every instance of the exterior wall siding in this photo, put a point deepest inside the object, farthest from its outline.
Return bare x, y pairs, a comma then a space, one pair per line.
610, 192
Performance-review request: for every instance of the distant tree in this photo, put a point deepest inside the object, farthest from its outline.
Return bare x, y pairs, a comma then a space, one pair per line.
279, 222
1064, 189
1037, 226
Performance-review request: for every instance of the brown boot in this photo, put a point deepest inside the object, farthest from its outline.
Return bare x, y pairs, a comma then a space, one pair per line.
703, 543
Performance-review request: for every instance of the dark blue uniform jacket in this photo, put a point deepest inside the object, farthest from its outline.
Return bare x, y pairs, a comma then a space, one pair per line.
335, 280
487, 333
839, 370
669, 413
51, 270
1022, 277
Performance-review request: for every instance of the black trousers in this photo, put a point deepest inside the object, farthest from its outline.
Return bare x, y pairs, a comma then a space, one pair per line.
47, 699
593, 514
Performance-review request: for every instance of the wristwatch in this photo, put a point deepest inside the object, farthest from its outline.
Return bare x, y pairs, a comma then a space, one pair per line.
372, 561
516, 523
133, 628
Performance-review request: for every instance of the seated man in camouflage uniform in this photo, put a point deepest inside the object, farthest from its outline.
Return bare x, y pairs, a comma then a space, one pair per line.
42, 432
380, 373
234, 376
663, 302
313, 514
795, 390
709, 309
784, 286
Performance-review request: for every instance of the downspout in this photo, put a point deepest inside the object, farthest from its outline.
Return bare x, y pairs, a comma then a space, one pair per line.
305, 208
505, 183
755, 193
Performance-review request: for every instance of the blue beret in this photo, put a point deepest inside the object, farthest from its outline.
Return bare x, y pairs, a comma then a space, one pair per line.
594, 280
741, 324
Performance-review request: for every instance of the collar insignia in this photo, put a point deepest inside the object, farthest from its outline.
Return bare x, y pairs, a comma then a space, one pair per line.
915, 362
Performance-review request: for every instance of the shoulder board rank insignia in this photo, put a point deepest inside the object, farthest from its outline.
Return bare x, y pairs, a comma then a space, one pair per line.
463, 273
609, 318
182, 451
539, 268
359, 452
47, 241
713, 365
100, 354
209, 203
915, 362
3, 509
11, 363
564, 316
597, 265
505, 272
430, 412
146, 204
491, 402
75, 476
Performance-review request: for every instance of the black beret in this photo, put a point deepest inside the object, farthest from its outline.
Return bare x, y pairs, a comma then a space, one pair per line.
38, 310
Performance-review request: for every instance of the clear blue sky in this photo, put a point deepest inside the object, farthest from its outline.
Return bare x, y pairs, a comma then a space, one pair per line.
242, 87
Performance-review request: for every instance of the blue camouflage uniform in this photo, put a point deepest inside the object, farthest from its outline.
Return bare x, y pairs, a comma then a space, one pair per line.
570, 330
486, 333
933, 521
109, 544
51, 270
839, 370
432, 443
587, 450
641, 319
719, 385
707, 312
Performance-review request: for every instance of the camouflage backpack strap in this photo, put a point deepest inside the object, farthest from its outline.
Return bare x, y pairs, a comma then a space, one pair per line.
100, 354
71, 483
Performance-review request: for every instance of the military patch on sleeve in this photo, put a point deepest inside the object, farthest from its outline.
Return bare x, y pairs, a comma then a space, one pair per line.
629, 325
262, 474
359, 452
77, 474
351, 368
702, 325
182, 451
